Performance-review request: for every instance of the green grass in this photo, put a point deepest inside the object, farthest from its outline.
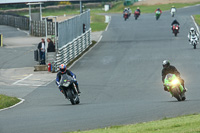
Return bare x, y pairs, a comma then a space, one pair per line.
98, 22
197, 19
183, 124
118, 8
6, 101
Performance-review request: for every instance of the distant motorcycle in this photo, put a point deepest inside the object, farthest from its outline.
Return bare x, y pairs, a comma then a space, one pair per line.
194, 41
126, 16
175, 29
136, 14
173, 10
174, 87
158, 13
69, 89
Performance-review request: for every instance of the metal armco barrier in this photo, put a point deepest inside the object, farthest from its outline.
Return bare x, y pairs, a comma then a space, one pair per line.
72, 49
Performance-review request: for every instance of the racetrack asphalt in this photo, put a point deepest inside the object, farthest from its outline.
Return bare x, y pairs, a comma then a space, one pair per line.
120, 80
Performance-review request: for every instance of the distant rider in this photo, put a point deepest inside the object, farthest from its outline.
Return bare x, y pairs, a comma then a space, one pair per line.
63, 70
167, 68
175, 22
173, 9
125, 11
158, 9
129, 11
138, 10
192, 32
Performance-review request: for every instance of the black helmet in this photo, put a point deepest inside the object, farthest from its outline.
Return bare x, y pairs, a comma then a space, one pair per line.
166, 63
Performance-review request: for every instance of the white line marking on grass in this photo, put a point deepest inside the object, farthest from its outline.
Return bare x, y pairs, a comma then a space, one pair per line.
191, 6
23, 79
22, 100
108, 23
195, 23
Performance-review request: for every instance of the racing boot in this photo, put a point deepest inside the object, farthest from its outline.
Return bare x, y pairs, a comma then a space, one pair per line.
78, 89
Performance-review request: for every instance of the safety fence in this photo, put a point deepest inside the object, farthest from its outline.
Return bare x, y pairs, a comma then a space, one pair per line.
21, 22
72, 28
72, 49
38, 28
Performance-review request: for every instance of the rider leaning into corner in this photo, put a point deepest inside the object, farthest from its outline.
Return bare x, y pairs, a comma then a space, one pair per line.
167, 68
192, 32
63, 70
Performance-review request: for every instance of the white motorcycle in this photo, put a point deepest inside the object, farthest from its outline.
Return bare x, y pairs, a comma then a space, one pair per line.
194, 40
173, 10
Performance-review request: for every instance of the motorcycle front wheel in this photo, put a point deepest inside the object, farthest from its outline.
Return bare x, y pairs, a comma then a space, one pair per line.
195, 46
71, 97
177, 94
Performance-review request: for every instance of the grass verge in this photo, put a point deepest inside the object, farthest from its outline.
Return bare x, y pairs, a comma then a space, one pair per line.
98, 22
182, 124
6, 101
118, 8
197, 19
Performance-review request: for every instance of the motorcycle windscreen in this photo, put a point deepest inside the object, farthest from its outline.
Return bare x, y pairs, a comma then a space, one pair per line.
65, 78
169, 77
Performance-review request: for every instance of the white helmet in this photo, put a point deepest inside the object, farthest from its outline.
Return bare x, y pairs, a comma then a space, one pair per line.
192, 29
165, 63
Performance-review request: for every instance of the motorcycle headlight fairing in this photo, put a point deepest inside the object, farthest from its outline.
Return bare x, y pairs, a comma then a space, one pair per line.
66, 84
175, 81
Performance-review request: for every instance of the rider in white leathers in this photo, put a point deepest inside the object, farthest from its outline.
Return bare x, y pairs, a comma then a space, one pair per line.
173, 10
192, 32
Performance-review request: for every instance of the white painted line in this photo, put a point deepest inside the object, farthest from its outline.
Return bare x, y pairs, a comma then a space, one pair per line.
22, 79
33, 85
191, 6
48, 82
99, 39
108, 24
23, 84
195, 23
23, 31
22, 100
86, 52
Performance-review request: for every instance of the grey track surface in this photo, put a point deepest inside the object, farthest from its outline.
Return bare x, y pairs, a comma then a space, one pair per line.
11, 32
120, 80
